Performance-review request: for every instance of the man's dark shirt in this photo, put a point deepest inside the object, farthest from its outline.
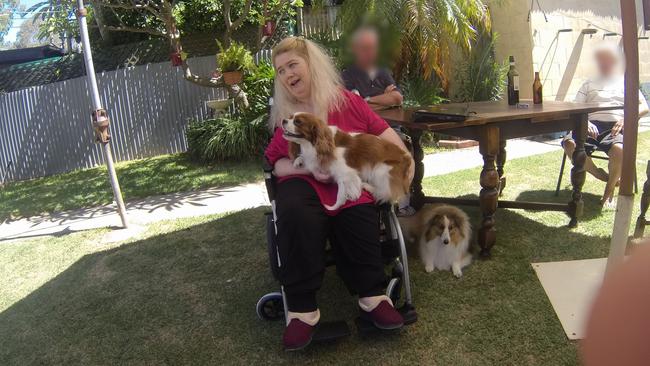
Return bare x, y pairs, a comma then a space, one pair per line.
355, 78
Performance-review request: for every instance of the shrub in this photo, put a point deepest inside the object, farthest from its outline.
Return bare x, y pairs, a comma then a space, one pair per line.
227, 138
481, 76
258, 86
418, 91
237, 136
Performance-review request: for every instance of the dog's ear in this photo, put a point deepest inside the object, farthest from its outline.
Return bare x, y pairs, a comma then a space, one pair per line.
432, 229
294, 150
323, 142
435, 220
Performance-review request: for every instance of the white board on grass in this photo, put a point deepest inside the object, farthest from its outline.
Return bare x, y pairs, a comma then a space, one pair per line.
571, 287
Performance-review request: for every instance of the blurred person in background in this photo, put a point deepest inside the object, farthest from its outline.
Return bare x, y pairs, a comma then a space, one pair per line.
605, 129
365, 77
375, 84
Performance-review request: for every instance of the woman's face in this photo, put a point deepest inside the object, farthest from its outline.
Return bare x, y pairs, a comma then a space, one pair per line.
293, 72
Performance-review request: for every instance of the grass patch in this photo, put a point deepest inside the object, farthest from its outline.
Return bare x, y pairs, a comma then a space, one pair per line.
185, 291
138, 179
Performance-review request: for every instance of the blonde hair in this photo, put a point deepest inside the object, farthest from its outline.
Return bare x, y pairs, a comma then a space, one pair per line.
326, 84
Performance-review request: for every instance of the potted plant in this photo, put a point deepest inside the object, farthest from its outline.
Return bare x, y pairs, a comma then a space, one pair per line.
233, 62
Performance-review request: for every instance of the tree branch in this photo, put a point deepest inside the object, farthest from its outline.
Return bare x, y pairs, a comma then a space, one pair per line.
136, 30
247, 7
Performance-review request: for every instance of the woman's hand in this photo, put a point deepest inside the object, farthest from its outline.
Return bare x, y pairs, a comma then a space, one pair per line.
322, 176
285, 166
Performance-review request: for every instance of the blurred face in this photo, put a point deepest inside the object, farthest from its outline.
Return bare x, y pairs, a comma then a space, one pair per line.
293, 73
607, 63
365, 49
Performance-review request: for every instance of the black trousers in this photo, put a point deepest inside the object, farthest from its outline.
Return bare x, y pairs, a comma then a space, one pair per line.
304, 227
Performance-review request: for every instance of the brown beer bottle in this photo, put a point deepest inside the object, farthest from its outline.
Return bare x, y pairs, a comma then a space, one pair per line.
537, 89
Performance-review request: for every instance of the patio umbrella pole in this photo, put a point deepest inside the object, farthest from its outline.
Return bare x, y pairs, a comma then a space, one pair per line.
100, 119
625, 202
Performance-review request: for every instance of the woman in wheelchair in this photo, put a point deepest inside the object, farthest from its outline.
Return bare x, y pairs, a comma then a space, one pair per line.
307, 81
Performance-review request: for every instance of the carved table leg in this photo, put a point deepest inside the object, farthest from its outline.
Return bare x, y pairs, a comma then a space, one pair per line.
641, 221
501, 162
417, 196
489, 148
578, 173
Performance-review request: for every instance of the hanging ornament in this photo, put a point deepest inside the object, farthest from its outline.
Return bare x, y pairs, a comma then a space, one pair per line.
268, 28
176, 59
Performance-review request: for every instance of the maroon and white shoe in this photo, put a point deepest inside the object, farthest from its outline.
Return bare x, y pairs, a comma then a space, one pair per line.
383, 316
298, 335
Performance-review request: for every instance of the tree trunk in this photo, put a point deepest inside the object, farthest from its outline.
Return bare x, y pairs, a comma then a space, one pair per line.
101, 23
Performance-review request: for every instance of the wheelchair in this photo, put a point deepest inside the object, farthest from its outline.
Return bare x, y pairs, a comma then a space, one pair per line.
273, 306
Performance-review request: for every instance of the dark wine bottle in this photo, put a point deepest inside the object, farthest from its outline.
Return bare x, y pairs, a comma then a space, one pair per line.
537, 89
513, 83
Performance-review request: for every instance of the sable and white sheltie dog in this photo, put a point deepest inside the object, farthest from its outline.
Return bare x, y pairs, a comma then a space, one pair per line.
355, 161
442, 233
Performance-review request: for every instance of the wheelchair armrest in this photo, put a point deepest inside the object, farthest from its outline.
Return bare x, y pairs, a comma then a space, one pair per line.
269, 179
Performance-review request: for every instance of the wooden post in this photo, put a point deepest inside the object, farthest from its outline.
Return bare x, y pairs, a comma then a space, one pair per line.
626, 191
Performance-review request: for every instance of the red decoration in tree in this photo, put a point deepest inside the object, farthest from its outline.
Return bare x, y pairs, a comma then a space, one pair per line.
176, 59
268, 28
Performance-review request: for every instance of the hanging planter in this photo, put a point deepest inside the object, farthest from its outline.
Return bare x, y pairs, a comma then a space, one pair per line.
233, 62
233, 77
176, 58
268, 28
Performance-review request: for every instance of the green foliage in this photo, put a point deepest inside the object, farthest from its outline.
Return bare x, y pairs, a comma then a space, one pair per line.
57, 18
234, 58
226, 138
420, 32
260, 12
480, 76
199, 16
258, 86
418, 91
335, 47
241, 135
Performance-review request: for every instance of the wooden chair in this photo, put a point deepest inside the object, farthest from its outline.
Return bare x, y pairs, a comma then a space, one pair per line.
590, 149
641, 221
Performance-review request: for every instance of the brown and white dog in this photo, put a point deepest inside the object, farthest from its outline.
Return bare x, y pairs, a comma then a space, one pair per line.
355, 161
442, 233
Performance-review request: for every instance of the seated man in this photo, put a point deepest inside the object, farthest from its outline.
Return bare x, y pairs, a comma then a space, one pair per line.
364, 77
374, 84
605, 127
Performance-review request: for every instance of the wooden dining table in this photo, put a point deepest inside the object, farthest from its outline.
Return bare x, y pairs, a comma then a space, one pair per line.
492, 124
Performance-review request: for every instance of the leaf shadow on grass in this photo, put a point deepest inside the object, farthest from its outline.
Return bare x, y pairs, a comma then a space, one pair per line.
188, 297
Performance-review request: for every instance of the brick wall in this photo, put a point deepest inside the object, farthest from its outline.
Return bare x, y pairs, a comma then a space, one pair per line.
565, 60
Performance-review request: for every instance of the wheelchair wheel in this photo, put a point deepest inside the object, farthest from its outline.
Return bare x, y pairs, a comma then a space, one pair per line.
393, 290
270, 306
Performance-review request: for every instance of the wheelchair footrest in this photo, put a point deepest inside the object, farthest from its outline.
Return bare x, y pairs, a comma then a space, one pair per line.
366, 327
408, 313
330, 331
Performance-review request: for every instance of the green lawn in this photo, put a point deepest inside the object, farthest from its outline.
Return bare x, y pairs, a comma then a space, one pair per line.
184, 292
138, 179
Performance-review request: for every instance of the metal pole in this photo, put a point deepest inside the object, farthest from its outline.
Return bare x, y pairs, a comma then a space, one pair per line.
625, 202
97, 104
